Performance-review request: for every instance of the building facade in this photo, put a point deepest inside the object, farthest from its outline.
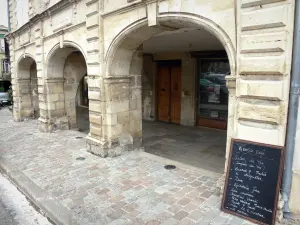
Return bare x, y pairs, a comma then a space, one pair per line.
4, 59
106, 65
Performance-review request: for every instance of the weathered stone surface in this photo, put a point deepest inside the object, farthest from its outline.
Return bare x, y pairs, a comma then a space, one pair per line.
130, 186
256, 34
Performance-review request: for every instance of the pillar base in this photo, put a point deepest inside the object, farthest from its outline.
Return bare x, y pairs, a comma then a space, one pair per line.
46, 125
17, 117
20, 115
97, 147
112, 148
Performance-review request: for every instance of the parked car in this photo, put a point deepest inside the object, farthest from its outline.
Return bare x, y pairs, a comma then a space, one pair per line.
4, 99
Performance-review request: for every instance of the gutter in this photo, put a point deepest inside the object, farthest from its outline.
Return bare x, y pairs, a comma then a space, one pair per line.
292, 115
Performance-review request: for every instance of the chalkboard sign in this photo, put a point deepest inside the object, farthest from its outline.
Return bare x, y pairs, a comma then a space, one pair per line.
253, 181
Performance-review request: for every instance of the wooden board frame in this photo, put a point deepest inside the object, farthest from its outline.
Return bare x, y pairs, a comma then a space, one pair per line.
282, 149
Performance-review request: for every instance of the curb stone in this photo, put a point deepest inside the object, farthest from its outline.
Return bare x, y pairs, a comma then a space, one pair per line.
52, 208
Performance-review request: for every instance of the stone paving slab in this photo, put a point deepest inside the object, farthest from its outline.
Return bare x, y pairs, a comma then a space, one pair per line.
130, 189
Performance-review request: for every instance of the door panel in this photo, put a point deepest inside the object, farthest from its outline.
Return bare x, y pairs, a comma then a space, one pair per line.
175, 94
163, 93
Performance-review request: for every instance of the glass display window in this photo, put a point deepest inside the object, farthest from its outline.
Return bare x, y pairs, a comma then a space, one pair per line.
212, 99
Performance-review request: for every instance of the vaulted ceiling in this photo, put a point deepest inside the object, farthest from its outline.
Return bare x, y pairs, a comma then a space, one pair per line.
182, 40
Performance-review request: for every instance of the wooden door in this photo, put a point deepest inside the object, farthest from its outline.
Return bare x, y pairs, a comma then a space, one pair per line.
175, 94
163, 93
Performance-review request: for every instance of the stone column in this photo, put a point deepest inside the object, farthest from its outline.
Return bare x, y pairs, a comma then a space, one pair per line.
232, 110
55, 116
96, 141
39, 69
22, 99
110, 130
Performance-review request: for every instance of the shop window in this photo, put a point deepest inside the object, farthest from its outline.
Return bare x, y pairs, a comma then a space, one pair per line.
212, 99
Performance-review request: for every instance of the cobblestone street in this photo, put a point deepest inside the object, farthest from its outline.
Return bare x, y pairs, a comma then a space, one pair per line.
130, 189
14, 207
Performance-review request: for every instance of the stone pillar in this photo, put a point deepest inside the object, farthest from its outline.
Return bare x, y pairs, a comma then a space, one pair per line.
39, 68
117, 121
22, 99
96, 141
232, 110
110, 128
55, 116
135, 99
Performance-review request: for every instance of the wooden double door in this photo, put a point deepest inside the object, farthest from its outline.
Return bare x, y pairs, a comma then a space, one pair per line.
169, 93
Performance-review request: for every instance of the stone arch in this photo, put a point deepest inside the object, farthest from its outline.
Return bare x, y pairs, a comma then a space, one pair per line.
56, 58
65, 68
123, 60
28, 87
123, 46
23, 65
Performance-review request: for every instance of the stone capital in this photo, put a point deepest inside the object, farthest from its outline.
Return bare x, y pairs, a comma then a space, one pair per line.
231, 82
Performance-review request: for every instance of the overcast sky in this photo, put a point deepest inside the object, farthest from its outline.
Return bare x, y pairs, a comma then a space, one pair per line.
3, 13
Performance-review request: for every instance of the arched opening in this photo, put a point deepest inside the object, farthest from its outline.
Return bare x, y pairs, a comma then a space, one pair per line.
28, 88
68, 72
82, 105
177, 77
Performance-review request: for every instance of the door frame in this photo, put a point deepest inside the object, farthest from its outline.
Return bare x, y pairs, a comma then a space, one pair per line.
163, 63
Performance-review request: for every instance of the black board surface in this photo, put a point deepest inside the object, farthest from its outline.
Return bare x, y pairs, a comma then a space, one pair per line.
253, 180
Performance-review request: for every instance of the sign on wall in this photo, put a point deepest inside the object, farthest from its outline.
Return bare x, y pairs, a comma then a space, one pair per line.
253, 181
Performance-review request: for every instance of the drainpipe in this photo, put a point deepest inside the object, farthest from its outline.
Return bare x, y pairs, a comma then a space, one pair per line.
8, 15
292, 115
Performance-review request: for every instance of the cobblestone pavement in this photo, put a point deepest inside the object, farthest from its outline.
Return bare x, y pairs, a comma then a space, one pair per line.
14, 207
130, 189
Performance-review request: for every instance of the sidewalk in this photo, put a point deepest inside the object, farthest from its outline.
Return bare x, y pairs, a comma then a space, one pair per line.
73, 186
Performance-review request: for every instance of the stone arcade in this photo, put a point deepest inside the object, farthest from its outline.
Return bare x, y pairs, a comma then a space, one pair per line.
84, 64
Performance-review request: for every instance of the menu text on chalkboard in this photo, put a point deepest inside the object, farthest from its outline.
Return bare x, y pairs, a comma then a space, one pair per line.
253, 180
